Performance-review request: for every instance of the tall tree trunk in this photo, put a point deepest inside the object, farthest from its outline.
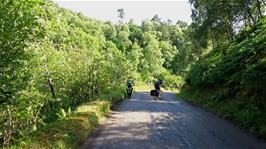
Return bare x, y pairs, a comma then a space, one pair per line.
246, 23
51, 85
251, 17
213, 42
229, 31
258, 5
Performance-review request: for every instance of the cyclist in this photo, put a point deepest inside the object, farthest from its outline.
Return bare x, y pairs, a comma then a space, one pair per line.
129, 86
157, 86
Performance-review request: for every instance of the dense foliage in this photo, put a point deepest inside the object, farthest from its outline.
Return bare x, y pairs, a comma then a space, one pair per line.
220, 21
53, 60
230, 75
241, 71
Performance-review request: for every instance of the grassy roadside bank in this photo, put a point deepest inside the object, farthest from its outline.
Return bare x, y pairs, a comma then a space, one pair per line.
72, 129
242, 112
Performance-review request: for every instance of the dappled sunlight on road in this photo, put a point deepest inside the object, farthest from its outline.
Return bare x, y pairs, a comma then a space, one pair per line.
143, 123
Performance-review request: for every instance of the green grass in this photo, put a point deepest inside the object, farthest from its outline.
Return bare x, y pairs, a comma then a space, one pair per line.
73, 127
240, 111
69, 132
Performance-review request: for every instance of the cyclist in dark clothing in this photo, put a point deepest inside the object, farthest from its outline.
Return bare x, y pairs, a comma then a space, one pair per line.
129, 87
130, 82
157, 86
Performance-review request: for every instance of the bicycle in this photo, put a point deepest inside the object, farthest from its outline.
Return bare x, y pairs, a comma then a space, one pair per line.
129, 91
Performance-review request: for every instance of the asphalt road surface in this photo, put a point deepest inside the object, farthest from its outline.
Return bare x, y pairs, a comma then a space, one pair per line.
143, 123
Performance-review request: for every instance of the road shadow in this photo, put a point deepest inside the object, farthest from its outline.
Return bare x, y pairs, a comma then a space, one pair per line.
142, 123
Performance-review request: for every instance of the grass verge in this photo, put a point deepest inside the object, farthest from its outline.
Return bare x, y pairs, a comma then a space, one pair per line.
241, 112
73, 129
69, 132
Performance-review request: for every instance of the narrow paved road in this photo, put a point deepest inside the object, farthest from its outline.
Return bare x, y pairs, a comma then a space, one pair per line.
141, 123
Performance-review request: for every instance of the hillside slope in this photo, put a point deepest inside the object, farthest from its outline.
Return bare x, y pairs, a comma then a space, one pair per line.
232, 80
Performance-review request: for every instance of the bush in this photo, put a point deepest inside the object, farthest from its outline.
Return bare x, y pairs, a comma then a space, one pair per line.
233, 83
55, 60
237, 70
68, 132
169, 80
